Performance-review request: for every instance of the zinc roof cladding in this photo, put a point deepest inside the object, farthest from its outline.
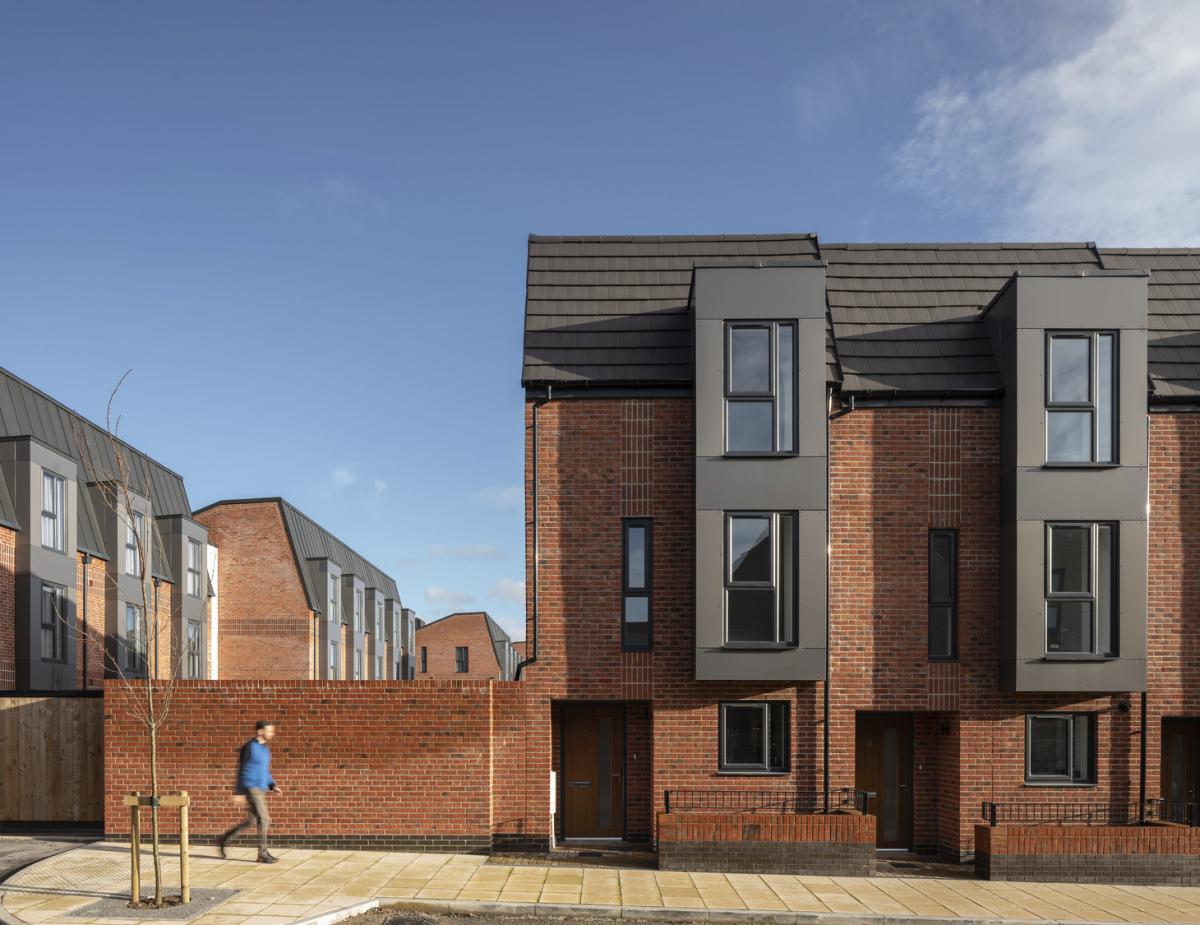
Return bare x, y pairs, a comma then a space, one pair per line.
616, 309
1174, 297
8, 511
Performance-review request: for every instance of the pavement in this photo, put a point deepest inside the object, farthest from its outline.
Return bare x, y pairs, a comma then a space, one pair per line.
21, 850
311, 884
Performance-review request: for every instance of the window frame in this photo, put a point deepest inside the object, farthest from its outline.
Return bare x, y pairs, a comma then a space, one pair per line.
1055, 780
334, 649
1092, 336
772, 326
358, 664
57, 624
462, 659
135, 648
951, 601
647, 590
58, 516
1049, 596
335, 593
135, 531
194, 663
359, 608
193, 573
424, 660
793, 628
764, 769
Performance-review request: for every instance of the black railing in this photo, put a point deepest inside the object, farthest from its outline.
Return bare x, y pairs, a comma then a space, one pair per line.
789, 802
1153, 811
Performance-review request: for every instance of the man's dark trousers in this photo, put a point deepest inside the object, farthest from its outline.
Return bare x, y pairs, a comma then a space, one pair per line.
256, 812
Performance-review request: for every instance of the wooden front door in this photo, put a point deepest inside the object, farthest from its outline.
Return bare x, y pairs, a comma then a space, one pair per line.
883, 766
1180, 765
593, 778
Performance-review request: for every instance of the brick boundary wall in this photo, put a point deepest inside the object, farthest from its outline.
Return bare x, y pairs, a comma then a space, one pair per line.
768, 843
421, 765
1145, 855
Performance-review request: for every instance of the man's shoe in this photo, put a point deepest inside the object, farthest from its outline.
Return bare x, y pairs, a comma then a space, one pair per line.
271, 856
267, 859
221, 848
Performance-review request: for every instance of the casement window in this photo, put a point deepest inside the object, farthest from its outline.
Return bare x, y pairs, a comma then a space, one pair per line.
134, 537
424, 660
193, 649
358, 611
760, 578
1081, 392
1060, 748
943, 594
754, 737
1081, 572
358, 664
333, 599
760, 388
135, 640
195, 562
636, 583
54, 505
333, 661
461, 659
54, 623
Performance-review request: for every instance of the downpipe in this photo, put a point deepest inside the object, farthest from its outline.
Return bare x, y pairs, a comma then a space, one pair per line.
531, 653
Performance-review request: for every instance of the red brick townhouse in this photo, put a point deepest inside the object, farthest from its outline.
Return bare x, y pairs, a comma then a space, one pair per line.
71, 600
913, 519
295, 602
464, 645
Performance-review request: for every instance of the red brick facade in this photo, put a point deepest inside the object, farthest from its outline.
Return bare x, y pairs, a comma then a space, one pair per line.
8, 609
441, 638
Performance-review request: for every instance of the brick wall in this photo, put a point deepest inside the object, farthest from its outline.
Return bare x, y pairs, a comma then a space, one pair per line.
8, 609
441, 637
91, 624
424, 765
266, 627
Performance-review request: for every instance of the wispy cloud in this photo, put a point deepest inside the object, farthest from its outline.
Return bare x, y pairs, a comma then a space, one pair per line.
507, 589
379, 485
500, 495
468, 551
446, 597
334, 201
343, 477
1098, 145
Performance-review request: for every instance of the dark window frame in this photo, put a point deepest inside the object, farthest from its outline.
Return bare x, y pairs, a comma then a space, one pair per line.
424, 660
58, 531
135, 528
647, 591
791, 637
136, 650
950, 601
772, 326
1092, 336
194, 648
193, 574
763, 769
462, 659
1068, 780
334, 658
1050, 596
55, 623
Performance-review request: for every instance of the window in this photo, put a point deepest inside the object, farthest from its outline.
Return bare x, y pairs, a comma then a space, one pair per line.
1080, 397
760, 387
133, 551
754, 737
1060, 748
760, 579
461, 658
333, 661
135, 641
1081, 589
54, 503
378, 633
54, 623
358, 611
195, 560
636, 584
357, 664
424, 660
379, 668
943, 594
193, 649
333, 598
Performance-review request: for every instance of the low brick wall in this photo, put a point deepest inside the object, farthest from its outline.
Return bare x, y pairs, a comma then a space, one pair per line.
768, 843
1150, 854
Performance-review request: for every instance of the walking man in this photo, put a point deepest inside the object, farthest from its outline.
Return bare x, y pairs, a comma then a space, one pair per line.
254, 781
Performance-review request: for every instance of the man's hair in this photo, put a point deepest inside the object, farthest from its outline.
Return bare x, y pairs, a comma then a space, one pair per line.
262, 724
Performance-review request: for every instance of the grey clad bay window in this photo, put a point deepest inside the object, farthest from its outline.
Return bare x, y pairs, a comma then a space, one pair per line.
1060, 748
134, 536
1081, 397
754, 737
54, 623
636, 583
760, 579
1081, 589
943, 594
760, 388
54, 502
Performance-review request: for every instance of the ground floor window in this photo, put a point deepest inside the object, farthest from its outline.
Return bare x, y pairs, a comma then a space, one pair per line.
1060, 748
135, 640
754, 737
193, 649
333, 661
54, 623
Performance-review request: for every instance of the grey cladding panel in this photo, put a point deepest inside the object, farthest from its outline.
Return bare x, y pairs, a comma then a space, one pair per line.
8, 511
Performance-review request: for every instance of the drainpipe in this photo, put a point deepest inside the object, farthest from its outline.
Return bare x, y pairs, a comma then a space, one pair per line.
1142, 769
532, 649
87, 560
154, 581
831, 416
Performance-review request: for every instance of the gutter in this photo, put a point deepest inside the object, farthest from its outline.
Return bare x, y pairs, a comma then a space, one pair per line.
531, 653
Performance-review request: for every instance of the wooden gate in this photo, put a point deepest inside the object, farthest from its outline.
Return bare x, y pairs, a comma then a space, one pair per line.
51, 759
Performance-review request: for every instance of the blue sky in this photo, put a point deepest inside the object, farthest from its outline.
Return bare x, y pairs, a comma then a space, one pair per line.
303, 225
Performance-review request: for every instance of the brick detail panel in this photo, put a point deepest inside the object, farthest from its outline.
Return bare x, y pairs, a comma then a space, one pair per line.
94, 577
945, 467
637, 675
943, 686
8, 609
637, 457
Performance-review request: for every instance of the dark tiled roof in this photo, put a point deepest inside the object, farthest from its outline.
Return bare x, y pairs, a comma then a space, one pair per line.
615, 309
1174, 314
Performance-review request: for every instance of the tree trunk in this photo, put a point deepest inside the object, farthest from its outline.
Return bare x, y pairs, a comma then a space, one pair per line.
158, 896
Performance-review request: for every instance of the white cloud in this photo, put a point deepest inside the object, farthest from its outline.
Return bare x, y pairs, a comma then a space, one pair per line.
1101, 145
500, 495
468, 551
506, 589
344, 477
447, 597
380, 486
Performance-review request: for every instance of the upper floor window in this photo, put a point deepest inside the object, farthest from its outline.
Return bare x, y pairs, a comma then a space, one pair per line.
379, 668
54, 623
760, 387
378, 630
1080, 397
194, 569
54, 502
1060, 748
193, 649
358, 611
943, 594
461, 659
754, 737
760, 578
636, 584
133, 540
333, 598
424, 659
1080, 589
333, 661
358, 664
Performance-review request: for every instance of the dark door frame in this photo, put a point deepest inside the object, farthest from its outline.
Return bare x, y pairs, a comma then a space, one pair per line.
910, 717
564, 707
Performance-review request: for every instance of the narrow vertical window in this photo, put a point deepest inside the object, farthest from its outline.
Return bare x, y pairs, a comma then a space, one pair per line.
379, 668
54, 623
333, 599
193, 649
636, 584
333, 661
135, 640
760, 578
378, 632
1081, 397
54, 494
943, 594
358, 611
461, 659
760, 387
358, 664
135, 539
1081, 617
424, 660
194, 565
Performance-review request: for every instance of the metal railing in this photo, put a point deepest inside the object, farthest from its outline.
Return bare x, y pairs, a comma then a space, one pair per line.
764, 801
1066, 812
